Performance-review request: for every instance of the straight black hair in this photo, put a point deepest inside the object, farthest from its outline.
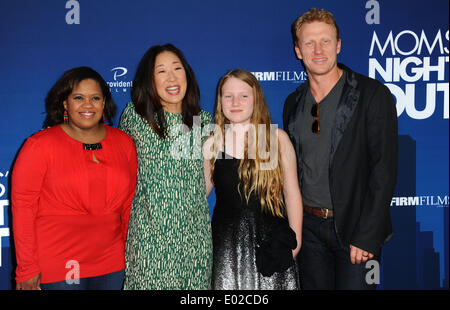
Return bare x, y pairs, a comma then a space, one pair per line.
145, 98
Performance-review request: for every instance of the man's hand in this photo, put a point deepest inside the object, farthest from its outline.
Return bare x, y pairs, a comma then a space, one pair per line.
358, 256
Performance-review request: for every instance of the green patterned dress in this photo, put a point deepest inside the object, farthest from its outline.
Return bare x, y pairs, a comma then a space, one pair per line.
169, 243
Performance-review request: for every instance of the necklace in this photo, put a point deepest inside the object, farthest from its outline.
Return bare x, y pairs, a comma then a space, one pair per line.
92, 147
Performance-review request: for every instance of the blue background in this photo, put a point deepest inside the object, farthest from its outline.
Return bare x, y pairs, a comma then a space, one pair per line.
37, 45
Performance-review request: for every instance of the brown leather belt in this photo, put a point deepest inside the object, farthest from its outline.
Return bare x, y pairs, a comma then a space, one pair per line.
319, 212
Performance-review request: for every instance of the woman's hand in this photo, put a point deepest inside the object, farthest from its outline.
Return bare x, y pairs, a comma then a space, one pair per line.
30, 284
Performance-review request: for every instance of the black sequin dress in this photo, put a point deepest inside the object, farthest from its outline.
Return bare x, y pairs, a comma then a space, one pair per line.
237, 228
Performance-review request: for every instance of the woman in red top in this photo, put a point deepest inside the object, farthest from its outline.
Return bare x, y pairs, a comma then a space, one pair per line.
72, 188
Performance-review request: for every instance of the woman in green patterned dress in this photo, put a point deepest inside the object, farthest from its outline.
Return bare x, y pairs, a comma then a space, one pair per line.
169, 237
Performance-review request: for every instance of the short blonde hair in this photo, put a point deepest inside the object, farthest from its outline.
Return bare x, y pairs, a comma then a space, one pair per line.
310, 16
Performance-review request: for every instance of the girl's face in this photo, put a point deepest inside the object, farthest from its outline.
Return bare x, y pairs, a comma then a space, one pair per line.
170, 81
237, 101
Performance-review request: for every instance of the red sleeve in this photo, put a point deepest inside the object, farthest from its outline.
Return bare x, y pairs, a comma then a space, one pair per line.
27, 178
132, 160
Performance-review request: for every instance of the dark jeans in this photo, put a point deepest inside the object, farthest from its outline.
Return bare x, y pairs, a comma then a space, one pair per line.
323, 263
110, 281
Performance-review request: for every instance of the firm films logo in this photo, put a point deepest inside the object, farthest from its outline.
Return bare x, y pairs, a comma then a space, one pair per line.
420, 201
281, 76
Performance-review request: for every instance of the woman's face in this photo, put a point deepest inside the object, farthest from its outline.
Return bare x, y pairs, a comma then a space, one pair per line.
170, 81
85, 105
237, 101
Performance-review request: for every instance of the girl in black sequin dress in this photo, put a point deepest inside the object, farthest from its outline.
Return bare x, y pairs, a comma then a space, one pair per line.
257, 219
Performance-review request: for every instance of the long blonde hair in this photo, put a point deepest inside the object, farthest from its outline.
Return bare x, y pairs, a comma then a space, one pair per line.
267, 184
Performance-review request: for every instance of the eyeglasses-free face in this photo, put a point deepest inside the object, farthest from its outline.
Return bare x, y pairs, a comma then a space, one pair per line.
85, 105
237, 101
316, 114
170, 81
318, 47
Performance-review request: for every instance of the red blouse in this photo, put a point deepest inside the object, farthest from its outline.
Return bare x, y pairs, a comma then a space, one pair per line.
66, 207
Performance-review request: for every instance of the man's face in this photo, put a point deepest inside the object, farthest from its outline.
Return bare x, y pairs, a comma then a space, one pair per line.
318, 47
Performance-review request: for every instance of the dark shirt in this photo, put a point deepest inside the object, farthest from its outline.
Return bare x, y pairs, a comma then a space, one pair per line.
315, 148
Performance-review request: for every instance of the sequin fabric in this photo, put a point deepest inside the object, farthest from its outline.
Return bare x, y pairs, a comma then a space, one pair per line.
237, 228
169, 243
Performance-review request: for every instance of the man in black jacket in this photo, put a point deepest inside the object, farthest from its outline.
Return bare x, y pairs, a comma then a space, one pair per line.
343, 126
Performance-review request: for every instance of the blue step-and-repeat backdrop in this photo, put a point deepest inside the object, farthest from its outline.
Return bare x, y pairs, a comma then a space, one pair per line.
404, 44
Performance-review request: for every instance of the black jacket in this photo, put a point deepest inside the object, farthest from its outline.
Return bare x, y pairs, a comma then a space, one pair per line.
363, 159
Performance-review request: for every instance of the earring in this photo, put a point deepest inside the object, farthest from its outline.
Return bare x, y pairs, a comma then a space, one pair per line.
66, 117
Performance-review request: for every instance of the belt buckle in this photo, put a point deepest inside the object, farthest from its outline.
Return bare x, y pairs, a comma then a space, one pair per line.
326, 213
